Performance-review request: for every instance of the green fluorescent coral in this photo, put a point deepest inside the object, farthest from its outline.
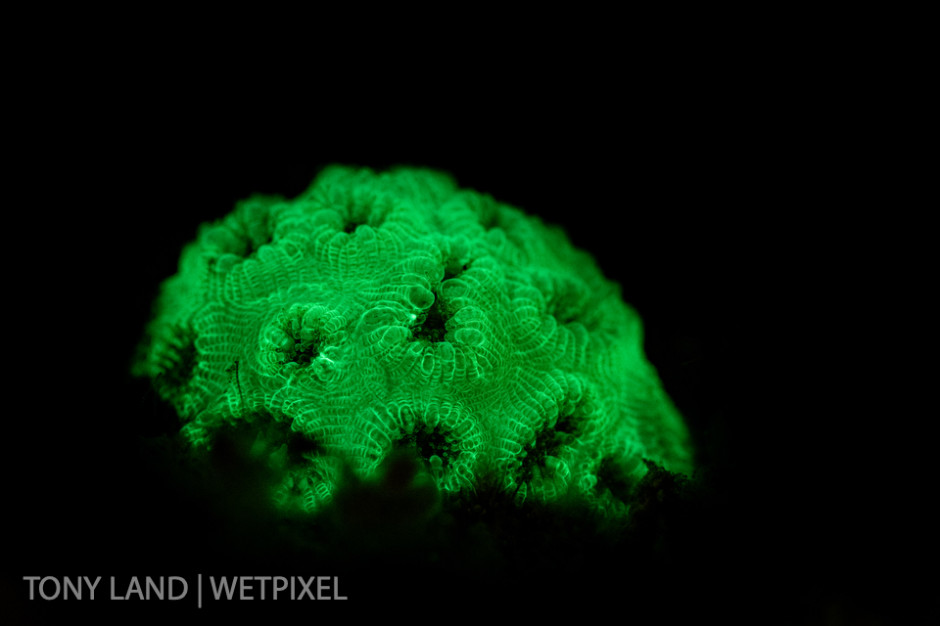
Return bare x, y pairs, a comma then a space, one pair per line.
385, 311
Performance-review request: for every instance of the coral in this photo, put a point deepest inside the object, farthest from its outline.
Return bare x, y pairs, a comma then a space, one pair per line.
377, 313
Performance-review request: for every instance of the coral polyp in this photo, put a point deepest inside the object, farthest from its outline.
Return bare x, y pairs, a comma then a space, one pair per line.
381, 312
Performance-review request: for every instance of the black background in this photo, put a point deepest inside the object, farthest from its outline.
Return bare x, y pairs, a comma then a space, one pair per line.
704, 199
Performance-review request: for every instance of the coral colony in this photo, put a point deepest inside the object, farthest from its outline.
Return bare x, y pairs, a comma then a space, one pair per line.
377, 313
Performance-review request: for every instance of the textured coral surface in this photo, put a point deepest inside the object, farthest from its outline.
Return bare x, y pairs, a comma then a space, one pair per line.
393, 311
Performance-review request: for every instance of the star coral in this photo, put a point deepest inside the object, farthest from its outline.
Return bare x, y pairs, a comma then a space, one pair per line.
391, 311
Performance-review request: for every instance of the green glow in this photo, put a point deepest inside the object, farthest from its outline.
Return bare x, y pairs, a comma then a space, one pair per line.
385, 311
